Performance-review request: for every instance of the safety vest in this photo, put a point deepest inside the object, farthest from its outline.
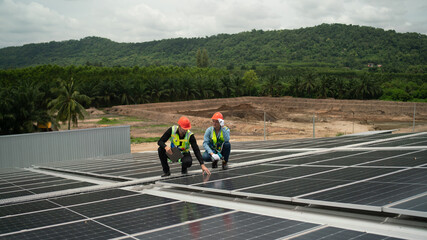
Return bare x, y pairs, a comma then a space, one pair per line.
217, 143
181, 144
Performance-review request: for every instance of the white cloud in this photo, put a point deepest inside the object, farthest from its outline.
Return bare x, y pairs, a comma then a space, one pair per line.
25, 23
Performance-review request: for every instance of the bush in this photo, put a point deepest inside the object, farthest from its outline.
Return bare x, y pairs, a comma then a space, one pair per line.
137, 140
105, 120
396, 94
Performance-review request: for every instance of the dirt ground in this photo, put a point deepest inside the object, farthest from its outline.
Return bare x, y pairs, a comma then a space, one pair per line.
285, 118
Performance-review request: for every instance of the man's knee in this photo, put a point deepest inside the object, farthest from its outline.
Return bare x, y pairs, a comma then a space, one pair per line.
161, 150
226, 147
206, 157
186, 161
162, 154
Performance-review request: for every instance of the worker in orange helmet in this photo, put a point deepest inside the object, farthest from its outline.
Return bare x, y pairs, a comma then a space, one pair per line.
217, 142
181, 137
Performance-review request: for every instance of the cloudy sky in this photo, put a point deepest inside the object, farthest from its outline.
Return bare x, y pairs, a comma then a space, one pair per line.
35, 21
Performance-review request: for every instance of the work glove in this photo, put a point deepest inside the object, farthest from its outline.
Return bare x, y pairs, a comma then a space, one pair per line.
215, 157
221, 122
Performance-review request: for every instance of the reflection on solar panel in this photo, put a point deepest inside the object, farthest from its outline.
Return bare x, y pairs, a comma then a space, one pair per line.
319, 183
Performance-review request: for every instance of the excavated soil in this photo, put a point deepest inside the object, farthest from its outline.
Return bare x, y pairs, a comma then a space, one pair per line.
285, 117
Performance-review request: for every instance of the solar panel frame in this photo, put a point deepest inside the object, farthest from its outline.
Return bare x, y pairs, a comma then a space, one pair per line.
415, 206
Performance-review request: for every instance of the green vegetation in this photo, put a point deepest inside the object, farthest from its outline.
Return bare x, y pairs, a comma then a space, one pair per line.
105, 120
136, 140
326, 61
323, 46
67, 106
132, 119
153, 126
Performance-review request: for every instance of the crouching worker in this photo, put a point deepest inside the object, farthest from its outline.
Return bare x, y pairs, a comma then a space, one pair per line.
217, 142
181, 137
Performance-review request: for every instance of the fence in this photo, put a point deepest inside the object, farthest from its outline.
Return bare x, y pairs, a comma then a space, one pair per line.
24, 150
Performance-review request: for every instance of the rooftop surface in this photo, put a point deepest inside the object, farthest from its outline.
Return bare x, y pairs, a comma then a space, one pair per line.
365, 186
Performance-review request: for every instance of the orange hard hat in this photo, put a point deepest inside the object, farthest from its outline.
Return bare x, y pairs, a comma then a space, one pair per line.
184, 123
217, 116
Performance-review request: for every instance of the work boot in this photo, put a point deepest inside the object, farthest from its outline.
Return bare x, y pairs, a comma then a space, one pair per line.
224, 165
184, 171
166, 174
214, 163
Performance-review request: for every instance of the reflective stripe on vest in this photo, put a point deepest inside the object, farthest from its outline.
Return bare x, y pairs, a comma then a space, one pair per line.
181, 144
217, 144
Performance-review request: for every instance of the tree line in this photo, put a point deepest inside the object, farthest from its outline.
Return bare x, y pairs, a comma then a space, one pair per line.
331, 45
45, 93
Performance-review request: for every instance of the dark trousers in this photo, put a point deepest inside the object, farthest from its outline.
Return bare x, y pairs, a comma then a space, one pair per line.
186, 160
225, 152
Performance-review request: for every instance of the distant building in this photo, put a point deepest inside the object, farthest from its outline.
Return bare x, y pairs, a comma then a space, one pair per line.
371, 65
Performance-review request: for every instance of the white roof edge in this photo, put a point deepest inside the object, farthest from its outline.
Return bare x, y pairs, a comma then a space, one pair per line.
372, 132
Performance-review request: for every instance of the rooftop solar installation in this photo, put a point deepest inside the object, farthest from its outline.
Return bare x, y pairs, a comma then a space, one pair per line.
347, 178
133, 215
350, 187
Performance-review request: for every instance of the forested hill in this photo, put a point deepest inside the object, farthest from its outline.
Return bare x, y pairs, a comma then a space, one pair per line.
326, 45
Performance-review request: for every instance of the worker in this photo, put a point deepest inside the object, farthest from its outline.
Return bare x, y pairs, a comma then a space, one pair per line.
181, 137
217, 142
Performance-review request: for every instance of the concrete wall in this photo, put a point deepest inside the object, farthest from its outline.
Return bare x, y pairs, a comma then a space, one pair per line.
24, 150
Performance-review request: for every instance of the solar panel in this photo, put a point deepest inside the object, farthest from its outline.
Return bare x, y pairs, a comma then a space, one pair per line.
293, 172
91, 197
353, 173
339, 233
62, 187
365, 157
292, 188
15, 209
318, 158
174, 213
345, 178
370, 193
236, 225
410, 159
119, 205
14, 194
37, 219
78, 230
415, 207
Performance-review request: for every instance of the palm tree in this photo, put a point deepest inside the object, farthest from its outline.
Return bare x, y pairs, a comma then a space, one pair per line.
238, 86
295, 86
325, 88
366, 89
68, 103
308, 87
272, 86
227, 88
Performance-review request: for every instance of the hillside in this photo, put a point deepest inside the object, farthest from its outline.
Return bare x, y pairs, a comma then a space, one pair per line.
326, 45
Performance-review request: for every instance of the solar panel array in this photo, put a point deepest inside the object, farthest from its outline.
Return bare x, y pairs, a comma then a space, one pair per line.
125, 214
384, 174
19, 182
393, 180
